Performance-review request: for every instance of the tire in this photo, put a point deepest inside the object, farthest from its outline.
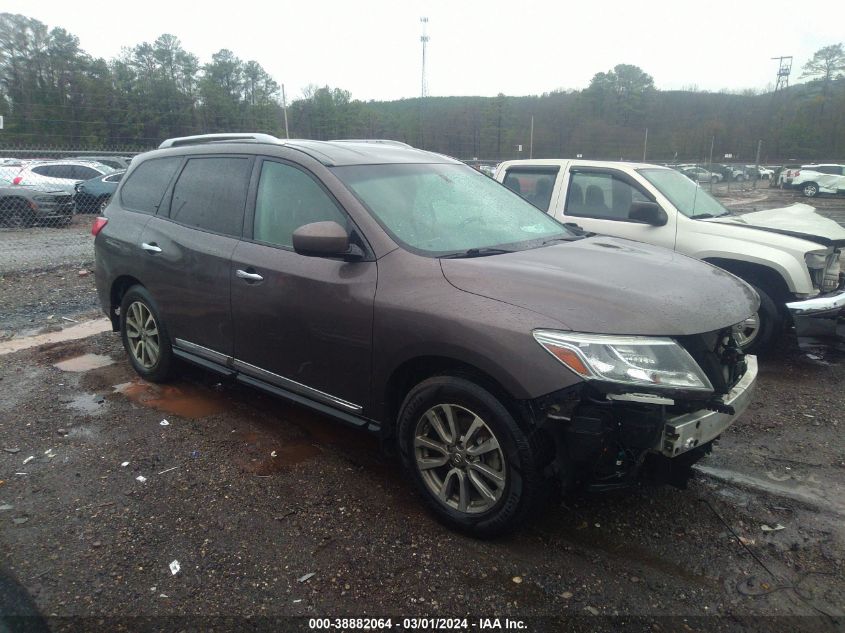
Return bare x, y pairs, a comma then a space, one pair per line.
16, 215
810, 189
769, 325
136, 307
516, 458
714, 180
102, 203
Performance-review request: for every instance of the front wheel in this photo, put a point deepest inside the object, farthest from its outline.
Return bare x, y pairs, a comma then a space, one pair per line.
145, 336
477, 470
758, 331
810, 189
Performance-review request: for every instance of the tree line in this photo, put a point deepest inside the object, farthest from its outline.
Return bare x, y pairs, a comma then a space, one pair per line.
54, 94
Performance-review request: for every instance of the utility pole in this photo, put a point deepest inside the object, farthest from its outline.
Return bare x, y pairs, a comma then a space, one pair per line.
645, 144
423, 87
757, 162
285, 110
531, 141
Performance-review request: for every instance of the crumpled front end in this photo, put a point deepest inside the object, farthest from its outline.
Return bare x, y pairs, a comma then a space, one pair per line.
610, 438
820, 320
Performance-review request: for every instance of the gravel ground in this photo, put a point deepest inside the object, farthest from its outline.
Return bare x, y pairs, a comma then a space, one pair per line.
41, 248
85, 537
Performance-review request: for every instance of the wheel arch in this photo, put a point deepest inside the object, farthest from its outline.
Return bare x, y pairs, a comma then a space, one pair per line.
758, 274
119, 286
414, 370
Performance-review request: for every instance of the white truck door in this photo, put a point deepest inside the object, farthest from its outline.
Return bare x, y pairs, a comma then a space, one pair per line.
599, 199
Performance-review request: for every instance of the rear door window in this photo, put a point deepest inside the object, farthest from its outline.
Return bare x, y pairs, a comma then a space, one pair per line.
535, 185
145, 187
210, 194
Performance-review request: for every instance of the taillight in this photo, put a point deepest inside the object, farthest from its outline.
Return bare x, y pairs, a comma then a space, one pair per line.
99, 223
17, 180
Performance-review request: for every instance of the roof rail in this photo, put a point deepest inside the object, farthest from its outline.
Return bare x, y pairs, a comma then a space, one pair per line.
377, 141
216, 138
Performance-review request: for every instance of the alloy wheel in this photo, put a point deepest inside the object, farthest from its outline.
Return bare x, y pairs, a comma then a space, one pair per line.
747, 331
142, 335
460, 459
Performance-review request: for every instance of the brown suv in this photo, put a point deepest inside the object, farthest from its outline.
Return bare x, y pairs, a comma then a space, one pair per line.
403, 292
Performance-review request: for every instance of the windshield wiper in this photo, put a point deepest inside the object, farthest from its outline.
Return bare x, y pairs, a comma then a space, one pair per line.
568, 238
478, 252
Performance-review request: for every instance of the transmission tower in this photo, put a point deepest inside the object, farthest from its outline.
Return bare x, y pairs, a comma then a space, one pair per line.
424, 40
783, 72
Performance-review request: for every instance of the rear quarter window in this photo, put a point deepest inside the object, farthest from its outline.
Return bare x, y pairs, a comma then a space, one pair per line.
145, 186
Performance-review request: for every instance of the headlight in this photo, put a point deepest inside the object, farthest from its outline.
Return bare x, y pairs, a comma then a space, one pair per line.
638, 361
816, 259
823, 266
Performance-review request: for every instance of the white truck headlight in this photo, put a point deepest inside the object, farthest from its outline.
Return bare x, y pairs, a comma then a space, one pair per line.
823, 266
638, 361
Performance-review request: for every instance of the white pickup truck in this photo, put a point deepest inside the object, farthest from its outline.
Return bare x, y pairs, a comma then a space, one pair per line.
789, 255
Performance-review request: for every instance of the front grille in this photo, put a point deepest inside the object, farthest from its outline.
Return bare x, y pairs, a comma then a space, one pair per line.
719, 357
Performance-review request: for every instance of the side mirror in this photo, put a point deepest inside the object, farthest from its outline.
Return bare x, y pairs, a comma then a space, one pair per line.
648, 213
324, 239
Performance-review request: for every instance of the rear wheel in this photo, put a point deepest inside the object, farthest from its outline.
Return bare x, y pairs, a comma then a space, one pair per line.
810, 189
104, 202
145, 336
477, 470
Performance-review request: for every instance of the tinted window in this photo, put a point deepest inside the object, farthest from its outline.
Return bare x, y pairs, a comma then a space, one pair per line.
287, 199
53, 171
80, 172
600, 195
534, 185
145, 188
210, 194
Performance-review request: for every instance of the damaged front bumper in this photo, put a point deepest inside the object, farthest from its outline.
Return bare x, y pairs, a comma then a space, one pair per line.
687, 431
820, 319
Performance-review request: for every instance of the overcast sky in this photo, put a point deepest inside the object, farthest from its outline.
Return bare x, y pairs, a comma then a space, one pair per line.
372, 47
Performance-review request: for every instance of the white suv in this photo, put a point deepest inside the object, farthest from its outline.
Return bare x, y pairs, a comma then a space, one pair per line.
61, 174
815, 179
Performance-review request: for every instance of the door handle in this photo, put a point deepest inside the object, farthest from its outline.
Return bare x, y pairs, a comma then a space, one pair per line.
248, 276
151, 248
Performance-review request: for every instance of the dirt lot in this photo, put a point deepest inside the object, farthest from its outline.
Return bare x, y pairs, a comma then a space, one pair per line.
251, 495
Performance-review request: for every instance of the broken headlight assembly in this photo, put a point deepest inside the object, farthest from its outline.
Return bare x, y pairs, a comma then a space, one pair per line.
635, 361
824, 268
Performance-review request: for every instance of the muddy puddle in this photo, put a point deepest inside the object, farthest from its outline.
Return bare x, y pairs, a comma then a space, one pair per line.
83, 363
83, 330
184, 400
265, 455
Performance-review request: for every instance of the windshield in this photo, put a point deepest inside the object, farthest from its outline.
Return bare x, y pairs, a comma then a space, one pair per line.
440, 209
687, 196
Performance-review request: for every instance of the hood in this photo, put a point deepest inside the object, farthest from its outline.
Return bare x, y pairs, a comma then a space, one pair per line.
610, 286
798, 220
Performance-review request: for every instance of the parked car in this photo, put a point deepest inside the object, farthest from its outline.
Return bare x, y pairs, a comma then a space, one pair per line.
92, 196
699, 174
61, 174
791, 256
815, 179
28, 206
116, 162
405, 293
764, 173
